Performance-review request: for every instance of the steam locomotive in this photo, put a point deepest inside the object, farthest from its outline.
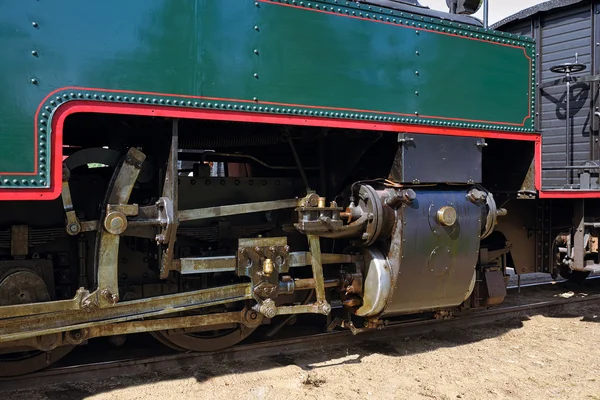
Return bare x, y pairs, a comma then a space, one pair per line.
202, 170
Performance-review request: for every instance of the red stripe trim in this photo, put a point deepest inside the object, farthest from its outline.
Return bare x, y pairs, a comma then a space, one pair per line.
74, 88
78, 106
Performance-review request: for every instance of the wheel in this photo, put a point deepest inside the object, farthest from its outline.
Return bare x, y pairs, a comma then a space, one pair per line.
574, 276
570, 68
26, 362
204, 341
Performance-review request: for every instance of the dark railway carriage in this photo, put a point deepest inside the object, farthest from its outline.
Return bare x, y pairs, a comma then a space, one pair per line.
562, 225
204, 170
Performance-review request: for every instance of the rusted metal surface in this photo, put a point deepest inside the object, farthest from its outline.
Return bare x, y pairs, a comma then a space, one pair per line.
127, 176
493, 288
270, 347
35, 325
196, 265
168, 235
107, 293
263, 259
175, 323
310, 283
314, 243
34, 309
268, 308
21, 287
19, 240
208, 264
247, 208
319, 219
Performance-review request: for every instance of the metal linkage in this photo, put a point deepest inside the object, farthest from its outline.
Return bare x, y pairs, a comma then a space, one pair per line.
236, 209
114, 224
74, 226
167, 208
54, 322
196, 265
268, 308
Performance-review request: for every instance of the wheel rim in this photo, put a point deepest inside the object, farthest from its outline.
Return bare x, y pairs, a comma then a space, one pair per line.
205, 341
26, 362
574, 276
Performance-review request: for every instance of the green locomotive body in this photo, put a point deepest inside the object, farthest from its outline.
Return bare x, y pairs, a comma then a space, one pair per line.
199, 169
332, 59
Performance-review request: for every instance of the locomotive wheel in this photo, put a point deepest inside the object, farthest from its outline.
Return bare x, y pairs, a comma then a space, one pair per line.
204, 341
26, 362
574, 276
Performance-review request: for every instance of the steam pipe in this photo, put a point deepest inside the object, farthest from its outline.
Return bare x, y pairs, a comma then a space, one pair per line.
486, 14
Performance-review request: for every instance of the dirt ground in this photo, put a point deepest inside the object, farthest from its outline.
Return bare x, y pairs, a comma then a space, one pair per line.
536, 357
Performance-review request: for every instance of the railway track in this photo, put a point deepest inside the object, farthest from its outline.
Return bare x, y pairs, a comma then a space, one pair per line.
533, 298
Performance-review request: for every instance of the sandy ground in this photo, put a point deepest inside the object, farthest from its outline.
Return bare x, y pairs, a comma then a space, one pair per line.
537, 357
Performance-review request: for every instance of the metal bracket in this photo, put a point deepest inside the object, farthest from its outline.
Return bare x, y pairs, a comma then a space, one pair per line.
263, 259
73, 225
167, 206
342, 323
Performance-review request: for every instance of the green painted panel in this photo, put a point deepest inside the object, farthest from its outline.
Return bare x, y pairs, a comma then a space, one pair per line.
265, 56
319, 58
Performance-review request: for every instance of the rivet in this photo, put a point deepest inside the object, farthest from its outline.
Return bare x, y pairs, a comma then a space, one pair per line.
35, 24
256, 51
256, 27
256, 76
255, 98
33, 81
34, 53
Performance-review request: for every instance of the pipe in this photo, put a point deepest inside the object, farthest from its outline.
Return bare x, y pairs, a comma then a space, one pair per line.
486, 14
568, 133
299, 164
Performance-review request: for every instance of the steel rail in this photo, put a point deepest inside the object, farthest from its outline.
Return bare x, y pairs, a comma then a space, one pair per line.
134, 366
